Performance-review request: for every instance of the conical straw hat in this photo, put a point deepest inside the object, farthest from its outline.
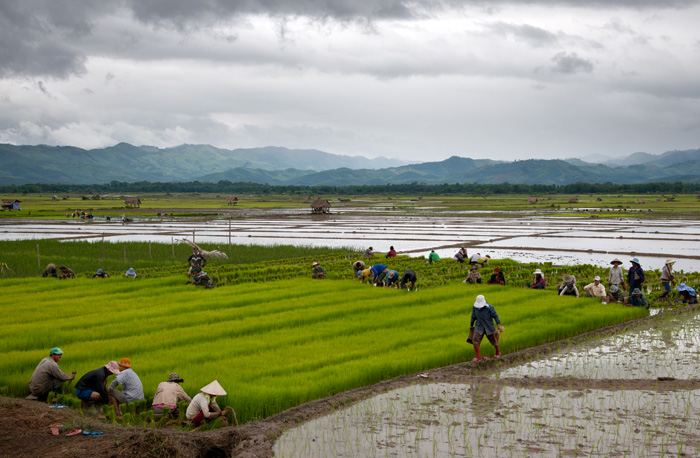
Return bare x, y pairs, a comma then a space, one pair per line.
213, 389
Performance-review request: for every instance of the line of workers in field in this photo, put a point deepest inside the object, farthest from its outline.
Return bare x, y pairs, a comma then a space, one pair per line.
92, 388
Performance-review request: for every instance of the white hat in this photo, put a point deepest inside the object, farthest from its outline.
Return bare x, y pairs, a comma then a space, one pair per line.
670, 261
314, 264
537, 271
213, 389
597, 278
480, 302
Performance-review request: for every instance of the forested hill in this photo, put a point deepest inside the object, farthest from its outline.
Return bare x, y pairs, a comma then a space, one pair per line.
284, 167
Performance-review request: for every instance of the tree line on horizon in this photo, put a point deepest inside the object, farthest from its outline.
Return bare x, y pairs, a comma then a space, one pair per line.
227, 187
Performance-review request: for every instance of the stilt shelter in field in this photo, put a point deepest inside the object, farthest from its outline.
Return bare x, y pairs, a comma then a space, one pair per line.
320, 206
532, 200
573, 200
232, 200
132, 202
9, 204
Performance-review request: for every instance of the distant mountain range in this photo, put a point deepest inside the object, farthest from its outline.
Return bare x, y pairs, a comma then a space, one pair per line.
282, 166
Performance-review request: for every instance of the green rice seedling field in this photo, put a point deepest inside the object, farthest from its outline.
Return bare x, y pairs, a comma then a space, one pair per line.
273, 340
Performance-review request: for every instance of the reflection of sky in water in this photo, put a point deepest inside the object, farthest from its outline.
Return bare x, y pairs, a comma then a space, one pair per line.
667, 348
441, 420
411, 233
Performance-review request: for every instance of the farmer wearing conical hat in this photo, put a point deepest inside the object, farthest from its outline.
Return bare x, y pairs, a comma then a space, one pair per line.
635, 276
169, 393
667, 277
616, 276
483, 316
203, 405
48, 376
567, 287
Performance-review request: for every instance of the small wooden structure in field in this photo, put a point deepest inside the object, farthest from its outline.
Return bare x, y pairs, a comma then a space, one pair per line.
320, 206
232, 200
573, 200
640, 201
532, 200
9, 204
132, 202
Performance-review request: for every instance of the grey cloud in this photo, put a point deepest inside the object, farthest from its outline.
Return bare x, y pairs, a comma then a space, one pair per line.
570, 63
534, 36
43, 89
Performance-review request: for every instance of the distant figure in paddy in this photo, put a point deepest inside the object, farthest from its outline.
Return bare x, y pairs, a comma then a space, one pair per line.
616, 275
638, 299
595, 289
667, 277
132, 389
687, 294
65, 273
368, 253
203, 405
433, 257
473, 277
50, 271
379, 271
100, 274
391, 253
461, 254
196, 259
48, 376
635, 276
168, 394
131, 273
497, 278
92, 386
408, 280
482, 323
391, 278
200, 278
357, 268
538, 281
318, 272
567, 287
616, 294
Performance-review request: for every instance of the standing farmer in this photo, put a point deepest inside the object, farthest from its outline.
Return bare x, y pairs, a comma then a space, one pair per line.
483, 316
635, 276
667, 277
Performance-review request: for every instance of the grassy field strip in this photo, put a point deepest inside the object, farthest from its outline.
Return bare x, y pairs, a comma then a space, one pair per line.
271, 345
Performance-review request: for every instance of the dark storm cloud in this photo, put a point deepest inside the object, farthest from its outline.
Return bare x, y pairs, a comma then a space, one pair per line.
570, 63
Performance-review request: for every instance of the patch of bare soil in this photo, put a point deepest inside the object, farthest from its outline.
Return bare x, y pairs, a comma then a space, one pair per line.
25, 430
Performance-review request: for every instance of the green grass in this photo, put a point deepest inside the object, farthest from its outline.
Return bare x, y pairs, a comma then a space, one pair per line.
272, 345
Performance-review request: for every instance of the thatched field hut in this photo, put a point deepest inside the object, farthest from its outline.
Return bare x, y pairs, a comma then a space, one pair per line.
320, 206
573, 200
9, 204
532, 200
232, 200
132, 202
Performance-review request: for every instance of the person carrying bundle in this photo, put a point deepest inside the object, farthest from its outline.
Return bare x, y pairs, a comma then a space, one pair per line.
481, 323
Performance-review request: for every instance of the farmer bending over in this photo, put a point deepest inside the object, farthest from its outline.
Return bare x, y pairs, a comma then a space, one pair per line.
65, 273
483, 316
409, 278
391, 278
687, 294
379, 271
637, 299
203, 405
48, 376
497, 278
50, 271
91, 386
617, 294
357, 268
168, 394
132, 389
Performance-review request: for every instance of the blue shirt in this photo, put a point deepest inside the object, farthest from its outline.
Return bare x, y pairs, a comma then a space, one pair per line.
377, 269
484, 318
388, 280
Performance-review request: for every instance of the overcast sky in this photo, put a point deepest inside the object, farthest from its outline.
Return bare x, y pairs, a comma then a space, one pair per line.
418, 80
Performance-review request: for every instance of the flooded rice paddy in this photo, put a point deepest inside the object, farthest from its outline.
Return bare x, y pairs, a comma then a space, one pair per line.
560, 240
635, 393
